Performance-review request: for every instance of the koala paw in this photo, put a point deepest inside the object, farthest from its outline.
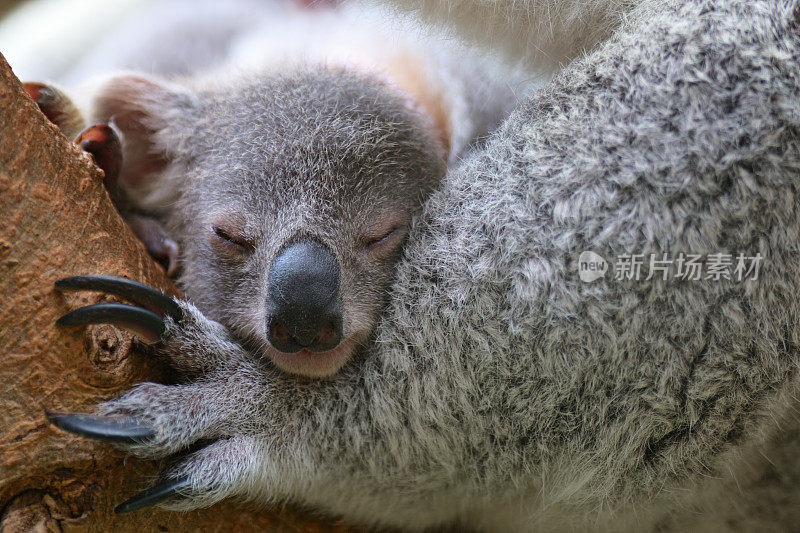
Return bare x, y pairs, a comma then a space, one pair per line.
147, 319
155, 420
217, 471
152, 420
100, 140
136, 422
221, 469
176, 329
56, 106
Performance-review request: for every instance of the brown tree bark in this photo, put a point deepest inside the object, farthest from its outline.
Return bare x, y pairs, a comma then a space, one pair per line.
56, 220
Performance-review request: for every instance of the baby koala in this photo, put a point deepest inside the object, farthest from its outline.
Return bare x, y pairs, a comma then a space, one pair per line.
287, 171
289, 196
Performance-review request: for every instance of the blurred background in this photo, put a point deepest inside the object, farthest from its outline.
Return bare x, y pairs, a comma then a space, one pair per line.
42, 38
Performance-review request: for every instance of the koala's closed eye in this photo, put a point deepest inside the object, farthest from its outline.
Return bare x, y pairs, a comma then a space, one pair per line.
229, 242
386, 242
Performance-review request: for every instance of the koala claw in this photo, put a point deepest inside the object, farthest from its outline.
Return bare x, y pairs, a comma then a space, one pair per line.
155, 494
146, 324
56, 106
138, 293
145, 321
102, 141
120, 430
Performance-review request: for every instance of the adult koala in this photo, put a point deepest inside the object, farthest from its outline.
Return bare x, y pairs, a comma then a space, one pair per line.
617, 404
505, 393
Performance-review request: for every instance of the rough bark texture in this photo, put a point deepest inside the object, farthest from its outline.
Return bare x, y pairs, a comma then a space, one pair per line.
56, 220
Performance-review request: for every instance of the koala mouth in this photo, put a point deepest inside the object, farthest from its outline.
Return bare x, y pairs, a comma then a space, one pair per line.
315, 364
304, 317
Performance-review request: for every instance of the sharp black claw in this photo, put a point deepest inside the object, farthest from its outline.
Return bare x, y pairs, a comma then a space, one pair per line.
134, 291
146, 324
106, 428
153, 495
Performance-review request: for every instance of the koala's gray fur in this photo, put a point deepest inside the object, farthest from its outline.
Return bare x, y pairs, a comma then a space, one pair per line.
502, 392
680, 134
269, 127
312, 154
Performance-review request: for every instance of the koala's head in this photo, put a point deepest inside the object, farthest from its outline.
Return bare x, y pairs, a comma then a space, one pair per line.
290, 196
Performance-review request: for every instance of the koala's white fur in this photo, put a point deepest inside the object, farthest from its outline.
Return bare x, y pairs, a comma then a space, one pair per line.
547, 33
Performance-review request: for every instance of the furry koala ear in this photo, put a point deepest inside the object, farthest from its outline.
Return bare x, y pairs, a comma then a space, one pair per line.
424, 95
149, 113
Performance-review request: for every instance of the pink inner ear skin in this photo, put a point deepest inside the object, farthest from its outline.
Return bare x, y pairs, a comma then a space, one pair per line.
136, 105
134, 102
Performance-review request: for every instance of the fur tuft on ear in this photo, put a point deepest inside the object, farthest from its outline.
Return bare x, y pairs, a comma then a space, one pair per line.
149, 113
424, 95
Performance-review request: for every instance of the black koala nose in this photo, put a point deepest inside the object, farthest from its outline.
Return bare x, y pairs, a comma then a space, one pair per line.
304, 310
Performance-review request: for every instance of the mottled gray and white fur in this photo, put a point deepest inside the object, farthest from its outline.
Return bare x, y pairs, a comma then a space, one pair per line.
502, 393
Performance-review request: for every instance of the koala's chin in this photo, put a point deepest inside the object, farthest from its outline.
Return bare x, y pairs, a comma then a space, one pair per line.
315, 364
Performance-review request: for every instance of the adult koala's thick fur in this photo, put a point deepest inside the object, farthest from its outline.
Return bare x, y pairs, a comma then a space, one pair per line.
503, 393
